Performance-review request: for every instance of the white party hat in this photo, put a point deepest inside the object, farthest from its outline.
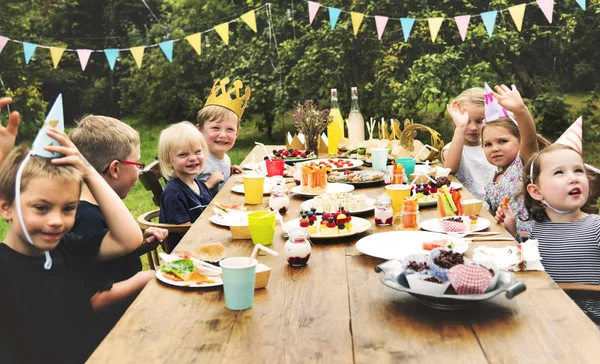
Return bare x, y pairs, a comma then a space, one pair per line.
55, 119
493, 110
573, 137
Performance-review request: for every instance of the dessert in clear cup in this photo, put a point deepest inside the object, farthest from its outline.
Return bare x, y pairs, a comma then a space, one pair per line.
314, 178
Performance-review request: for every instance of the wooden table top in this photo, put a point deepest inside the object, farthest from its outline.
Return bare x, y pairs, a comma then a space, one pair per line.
336, 310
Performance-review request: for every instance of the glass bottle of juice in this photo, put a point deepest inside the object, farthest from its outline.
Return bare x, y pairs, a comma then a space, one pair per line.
356, 122
335, 130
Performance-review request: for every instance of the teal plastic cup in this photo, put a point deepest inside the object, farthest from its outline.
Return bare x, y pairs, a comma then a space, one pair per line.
379, 158
239, 274
408, 164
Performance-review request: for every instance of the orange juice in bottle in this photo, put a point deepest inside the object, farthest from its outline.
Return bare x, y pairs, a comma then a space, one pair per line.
335, 130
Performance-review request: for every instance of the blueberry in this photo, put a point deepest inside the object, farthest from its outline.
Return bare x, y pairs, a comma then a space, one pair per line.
266, 157
313, 209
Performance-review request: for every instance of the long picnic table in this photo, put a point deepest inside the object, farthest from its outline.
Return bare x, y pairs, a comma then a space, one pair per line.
336, 310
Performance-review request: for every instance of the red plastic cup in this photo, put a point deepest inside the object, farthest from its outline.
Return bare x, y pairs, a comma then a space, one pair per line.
275, 167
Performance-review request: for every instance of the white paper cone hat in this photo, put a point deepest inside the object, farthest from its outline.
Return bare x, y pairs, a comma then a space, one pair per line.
573, 137
54, 119
493, 110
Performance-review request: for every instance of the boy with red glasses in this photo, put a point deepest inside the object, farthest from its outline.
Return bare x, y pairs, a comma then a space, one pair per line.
113, 149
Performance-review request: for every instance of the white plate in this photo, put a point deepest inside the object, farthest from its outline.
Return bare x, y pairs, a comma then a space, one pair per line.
400, 244
250, 166
355, 163
296, 160
456, 185
230, 218
369, 174
435, 226
359, 225
308, 204
162, 278
269, 181
331, 188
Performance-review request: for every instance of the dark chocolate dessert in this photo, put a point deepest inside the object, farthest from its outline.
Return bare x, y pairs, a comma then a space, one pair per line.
447, 259
433, 280
417, 267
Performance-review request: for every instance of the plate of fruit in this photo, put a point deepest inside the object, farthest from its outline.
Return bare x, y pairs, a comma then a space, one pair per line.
338, 164
426, 193
328, 225
292, 156
356, 178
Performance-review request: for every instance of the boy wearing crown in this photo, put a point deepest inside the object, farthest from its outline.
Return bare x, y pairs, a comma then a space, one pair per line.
219, 122
47, 310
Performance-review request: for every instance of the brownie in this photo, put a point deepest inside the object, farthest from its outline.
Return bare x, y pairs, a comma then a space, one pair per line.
417, 267
433, 280
447, 259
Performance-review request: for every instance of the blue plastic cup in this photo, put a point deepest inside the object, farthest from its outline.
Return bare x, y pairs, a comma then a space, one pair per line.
239, 274
408, 164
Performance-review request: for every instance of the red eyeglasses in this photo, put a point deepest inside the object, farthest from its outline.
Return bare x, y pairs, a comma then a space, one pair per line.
139, 165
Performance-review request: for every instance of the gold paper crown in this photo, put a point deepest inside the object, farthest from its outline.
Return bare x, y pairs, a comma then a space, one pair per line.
222, 97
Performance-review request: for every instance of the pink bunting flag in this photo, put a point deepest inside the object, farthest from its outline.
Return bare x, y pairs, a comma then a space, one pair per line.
547, 7
462, 22
313, 7
573, 137
380, 23
84, 57
3, 41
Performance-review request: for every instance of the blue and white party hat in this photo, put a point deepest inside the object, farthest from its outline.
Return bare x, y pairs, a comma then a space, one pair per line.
55, 119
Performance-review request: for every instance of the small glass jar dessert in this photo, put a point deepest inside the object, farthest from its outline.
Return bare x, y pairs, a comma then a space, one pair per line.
298, 173
383, 210
279, 200
408, 218
297, 247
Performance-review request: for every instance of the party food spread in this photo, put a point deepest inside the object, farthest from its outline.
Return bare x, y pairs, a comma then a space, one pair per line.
354, 176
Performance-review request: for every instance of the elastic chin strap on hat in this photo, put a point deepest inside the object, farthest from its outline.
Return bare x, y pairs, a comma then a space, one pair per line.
562, 212
48, 263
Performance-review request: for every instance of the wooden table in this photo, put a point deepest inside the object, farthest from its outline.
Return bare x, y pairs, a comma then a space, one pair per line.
335, 310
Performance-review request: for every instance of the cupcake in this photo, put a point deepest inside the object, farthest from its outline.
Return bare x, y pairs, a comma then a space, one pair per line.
441, 260
493, 269
470, 278
427, 284
416, 263
454, 224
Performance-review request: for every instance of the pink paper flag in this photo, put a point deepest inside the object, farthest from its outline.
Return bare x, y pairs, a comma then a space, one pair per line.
3, 41
573, 137
462, 22
547, 7
84, 57
380, 23
313, 7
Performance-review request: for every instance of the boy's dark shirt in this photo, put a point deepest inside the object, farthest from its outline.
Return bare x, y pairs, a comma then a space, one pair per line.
89, 221
47, 315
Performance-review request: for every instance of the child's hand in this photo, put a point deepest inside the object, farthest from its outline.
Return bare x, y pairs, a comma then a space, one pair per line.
71, 154
236, 169
154, 236
505, 215
214, 179
8, 134
458, 113
510, 99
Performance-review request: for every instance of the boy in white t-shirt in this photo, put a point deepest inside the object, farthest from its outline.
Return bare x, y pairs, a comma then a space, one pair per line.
464, 154
219, 122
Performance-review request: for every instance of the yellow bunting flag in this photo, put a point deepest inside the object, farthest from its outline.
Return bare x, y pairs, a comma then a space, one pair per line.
250, 19
517, 12
434, 27
196, 41
138, 54
56, 54
357, 19
223, 30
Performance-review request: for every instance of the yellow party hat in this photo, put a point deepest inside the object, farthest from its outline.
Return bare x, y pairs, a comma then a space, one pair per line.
231, 98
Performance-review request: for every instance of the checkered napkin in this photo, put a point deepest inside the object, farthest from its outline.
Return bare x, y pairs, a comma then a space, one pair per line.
469, 278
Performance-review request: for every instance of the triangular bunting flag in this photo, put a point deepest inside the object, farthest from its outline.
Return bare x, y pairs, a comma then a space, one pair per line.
111, 56
407, 24
547, 7
489, 20
581, 3
54, 119
84, 56
167, 48
138, 54
56, 54
517, 12
223, 31
573, 137
493, 110
196, 42
250, 19
434, 27
357, 19
462, 22
3, 41
28, 49
313, 7
334, 14
380, 23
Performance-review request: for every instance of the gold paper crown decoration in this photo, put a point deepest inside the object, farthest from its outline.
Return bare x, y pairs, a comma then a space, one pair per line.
222, 97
